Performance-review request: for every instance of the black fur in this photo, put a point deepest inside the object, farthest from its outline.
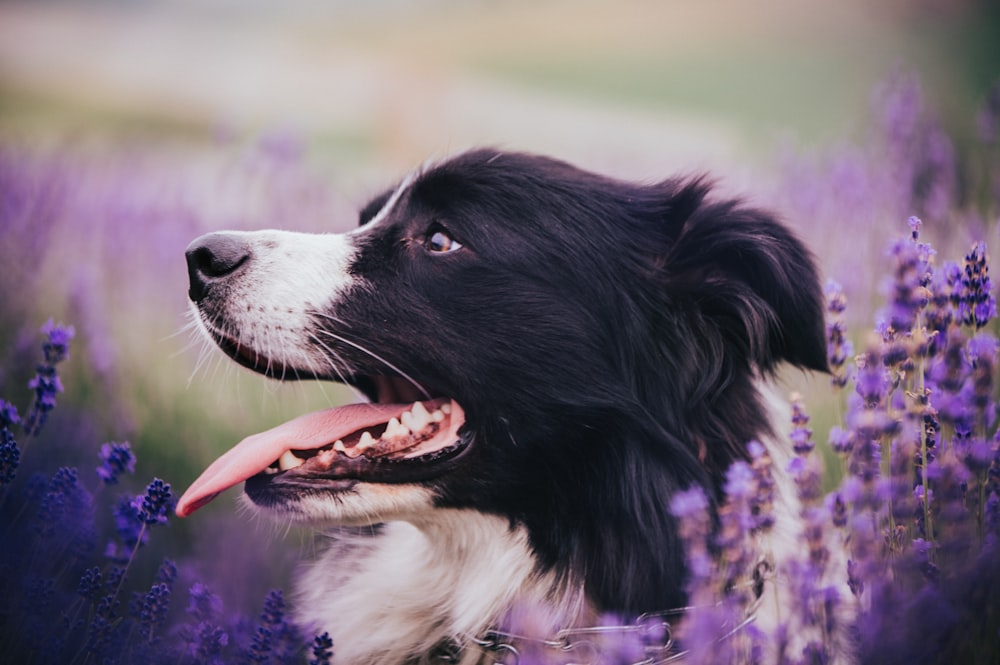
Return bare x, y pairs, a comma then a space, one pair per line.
604, 339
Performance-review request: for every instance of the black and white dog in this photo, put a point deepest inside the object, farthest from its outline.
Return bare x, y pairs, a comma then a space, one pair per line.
550, 355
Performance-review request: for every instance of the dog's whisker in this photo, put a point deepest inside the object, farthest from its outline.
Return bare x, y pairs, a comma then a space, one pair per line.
333, 359
360, 347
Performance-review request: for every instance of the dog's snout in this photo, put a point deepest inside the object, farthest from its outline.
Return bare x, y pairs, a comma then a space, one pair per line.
211, 258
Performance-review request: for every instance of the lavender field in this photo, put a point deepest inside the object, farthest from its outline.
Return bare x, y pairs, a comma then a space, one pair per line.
110, 404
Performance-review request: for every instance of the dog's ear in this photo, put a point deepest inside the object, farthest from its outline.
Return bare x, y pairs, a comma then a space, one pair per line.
747, 275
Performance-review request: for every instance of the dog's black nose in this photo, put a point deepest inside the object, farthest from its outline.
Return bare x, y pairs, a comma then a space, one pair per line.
214, 257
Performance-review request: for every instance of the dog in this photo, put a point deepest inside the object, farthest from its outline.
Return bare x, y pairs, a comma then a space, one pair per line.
548, 355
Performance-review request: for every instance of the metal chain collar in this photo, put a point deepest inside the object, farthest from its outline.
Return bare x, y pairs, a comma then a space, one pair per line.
582, 645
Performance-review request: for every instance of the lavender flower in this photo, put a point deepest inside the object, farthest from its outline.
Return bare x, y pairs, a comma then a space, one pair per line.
90, 584
65, 507
977, 304
203, 605
690, 507
154, 505
206, 639
116, 459
8, 415
801, 435
838, 348
167, 573
208, 644
945, 287
841, 440
322, 650
10, 456
735, 523
275, 637
129, 527
762, 502
46, 383
908, 294
870, 380
151, 611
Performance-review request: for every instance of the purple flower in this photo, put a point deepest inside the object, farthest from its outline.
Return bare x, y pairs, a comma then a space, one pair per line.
272, 619
64, 507
907, 292
116, 459
736, 522
167, 572
808, 482
8, 415
208, 642
153, 506
977, 304
56, 347
739, 481
152, 610
871, 380
690, 507
10, 453
129, 528
854, 580
836, 301
10, 457
762, 503
841, 440
206, 639
689, 503
945, 287
273, 613
322, 650
203, 605
801, 435
90, 584
837, 509
46, 383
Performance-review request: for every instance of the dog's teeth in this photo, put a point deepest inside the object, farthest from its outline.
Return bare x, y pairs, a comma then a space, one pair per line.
288, 461
395, 430
326, 456
446, 409
437, 416
420, 414
366, 441
338, 445
417, 419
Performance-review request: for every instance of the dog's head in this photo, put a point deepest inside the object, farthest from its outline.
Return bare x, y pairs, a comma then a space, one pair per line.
533, 339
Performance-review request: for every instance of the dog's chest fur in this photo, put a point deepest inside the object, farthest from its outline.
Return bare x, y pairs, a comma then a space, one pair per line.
405, 589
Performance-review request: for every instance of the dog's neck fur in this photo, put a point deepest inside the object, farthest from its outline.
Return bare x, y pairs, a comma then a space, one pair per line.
391, 596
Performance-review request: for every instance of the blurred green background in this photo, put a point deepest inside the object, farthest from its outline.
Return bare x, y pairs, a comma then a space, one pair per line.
129, 128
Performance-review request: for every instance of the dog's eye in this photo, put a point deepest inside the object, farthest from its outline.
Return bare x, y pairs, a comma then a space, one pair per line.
439, 242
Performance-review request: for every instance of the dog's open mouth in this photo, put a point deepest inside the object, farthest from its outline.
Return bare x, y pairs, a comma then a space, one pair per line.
372, 442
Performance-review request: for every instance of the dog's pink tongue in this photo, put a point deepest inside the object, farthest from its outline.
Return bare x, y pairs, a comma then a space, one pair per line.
256, 452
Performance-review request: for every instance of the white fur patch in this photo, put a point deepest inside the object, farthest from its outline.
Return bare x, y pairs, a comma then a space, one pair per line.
450, 575
389, 204
268, 305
